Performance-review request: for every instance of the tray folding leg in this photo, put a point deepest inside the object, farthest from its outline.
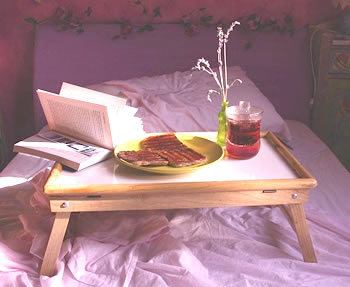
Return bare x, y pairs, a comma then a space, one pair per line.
298, 219
53, 248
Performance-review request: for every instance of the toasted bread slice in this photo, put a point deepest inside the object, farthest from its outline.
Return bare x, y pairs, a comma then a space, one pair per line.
183, 157
162, 142
143, 158
165, 149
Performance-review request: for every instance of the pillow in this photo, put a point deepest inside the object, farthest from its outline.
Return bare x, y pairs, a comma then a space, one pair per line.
178, 101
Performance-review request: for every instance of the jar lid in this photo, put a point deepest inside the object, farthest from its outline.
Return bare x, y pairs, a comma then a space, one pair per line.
244, 111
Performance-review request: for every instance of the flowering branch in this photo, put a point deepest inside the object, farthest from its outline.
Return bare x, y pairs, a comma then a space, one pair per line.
235, 81
220, 36
204, 65
212, 92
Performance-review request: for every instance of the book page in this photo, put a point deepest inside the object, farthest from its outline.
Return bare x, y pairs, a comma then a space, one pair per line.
123, 119
116, 104
68, 151
91, 96
89, 122
71, 143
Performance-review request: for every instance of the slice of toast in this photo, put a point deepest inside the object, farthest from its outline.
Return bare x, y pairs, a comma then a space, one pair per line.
182, 157
143, 158
161, 150
162, 142
171, 148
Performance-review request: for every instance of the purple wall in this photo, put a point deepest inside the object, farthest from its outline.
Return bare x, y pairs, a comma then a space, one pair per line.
278, 64
17, 38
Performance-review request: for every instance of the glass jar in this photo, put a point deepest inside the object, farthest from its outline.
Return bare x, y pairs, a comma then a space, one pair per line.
243, 135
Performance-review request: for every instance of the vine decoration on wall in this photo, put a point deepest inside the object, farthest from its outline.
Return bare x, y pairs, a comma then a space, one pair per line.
126, 27
66, 20
191, 22
254, 23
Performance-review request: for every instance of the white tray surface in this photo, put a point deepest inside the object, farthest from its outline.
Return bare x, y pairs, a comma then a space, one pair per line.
267, 164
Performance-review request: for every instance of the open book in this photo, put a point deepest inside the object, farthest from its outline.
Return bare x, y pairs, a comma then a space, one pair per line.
84, 126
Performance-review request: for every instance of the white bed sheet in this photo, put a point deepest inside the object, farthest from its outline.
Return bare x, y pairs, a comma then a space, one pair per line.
178, 101
247, 246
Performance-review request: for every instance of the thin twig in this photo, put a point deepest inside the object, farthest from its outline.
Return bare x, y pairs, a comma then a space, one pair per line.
204, 65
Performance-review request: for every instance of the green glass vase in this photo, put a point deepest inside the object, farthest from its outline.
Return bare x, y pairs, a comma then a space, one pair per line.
222, 124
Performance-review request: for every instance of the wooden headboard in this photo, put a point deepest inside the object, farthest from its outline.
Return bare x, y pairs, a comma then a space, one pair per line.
278, 64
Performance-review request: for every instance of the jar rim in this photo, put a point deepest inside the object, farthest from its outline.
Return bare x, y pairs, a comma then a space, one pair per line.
233, 111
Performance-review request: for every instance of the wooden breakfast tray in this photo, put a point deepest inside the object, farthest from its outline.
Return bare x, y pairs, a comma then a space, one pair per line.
273, 177
273, 168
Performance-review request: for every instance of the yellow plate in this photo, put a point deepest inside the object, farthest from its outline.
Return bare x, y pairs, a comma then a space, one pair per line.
210, 149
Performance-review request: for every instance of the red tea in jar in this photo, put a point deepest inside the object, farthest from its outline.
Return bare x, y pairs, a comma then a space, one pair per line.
243, 136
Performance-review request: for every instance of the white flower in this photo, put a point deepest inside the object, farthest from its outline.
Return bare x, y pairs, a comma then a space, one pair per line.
211, 92
204, 65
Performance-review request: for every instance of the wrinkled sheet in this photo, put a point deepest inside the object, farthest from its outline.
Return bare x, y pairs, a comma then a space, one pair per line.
179, 102
243, 246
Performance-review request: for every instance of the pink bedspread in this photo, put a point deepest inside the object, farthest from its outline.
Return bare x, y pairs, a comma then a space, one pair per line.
250, 246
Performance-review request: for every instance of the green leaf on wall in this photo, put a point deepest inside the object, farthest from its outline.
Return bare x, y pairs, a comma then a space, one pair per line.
31, 20
156, 12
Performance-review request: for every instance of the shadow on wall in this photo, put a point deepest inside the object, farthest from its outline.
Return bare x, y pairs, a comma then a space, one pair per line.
3, 146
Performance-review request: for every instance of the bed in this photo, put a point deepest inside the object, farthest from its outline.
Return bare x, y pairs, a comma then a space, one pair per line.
250, 246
